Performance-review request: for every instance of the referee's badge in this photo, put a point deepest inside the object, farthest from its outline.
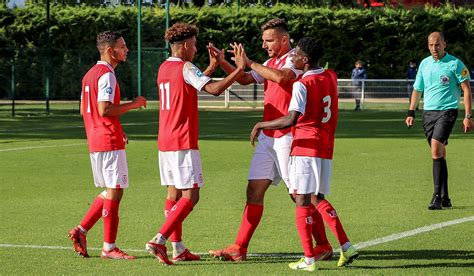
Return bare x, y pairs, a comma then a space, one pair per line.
444, 80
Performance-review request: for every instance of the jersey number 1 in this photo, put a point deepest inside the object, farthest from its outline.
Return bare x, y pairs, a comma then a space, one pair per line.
327, 109
165, 92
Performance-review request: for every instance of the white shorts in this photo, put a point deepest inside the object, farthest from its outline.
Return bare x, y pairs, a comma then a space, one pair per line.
181, 168
270, 159
309, 175
110, 169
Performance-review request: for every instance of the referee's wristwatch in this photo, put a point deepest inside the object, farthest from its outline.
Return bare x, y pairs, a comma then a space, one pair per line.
468, 116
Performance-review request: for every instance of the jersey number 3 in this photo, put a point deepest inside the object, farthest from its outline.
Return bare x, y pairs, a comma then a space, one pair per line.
327, 109
165, 95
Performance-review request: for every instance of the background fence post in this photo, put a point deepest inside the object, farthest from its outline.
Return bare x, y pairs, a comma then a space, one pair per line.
362, 96
13, 87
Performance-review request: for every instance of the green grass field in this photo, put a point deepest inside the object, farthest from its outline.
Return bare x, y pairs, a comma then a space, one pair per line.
381, 186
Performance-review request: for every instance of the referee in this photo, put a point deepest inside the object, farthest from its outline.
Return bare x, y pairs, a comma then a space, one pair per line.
440, 79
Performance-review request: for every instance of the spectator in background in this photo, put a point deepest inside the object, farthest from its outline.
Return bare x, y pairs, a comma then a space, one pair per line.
358, 73
411, 75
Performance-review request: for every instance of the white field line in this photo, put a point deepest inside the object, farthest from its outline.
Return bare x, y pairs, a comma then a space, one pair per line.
68, 127
42, 147
361, 245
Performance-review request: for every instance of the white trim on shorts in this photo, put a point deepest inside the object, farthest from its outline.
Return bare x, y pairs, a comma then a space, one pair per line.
270, 159
309, 175
181, 168
110, 169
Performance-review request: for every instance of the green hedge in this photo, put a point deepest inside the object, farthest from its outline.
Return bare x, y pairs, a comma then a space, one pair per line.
385, 38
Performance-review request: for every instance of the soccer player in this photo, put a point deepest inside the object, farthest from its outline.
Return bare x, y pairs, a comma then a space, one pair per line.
313, 114
440, 79
100, 109
270, 160
179, 81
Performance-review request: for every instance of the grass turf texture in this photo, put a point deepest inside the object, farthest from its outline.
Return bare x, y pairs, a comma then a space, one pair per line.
381, 185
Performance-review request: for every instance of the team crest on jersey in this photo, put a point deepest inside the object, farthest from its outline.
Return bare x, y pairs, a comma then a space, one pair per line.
332, 213
444, 80
105, 213
464, 72
108, 90
309, 220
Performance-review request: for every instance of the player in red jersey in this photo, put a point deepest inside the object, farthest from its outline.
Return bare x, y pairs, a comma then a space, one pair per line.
313, 113
270, 160
100, 109
179, 81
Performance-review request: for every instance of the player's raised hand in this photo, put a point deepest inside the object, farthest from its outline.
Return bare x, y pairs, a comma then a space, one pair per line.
139, 101
215, 52
239, 55
214, 55
467, 125
254, 134
410, 121
244, 54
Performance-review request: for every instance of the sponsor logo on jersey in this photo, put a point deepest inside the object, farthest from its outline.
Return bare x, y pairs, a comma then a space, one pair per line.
464, 72
199, 73
108, 90
444, 80
124, 179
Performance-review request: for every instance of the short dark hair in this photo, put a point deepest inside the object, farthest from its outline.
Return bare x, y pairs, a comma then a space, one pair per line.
180, 31
107, 38
277, 24
311, 47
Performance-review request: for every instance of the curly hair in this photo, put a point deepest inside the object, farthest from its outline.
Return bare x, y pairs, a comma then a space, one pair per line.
312, 47
277, 24
180, 31
107, 38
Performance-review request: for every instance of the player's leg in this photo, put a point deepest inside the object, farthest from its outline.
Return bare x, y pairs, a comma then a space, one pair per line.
184, 169
115, 174
303, 182
304, 224
78, 234
330, 216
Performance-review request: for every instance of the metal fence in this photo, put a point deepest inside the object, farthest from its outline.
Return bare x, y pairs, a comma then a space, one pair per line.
378, 90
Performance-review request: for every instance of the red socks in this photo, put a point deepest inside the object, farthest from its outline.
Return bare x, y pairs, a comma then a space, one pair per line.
93, 215
250, 220
176, 216
330, 217
177, 233
111, 220
304, 223
319, 231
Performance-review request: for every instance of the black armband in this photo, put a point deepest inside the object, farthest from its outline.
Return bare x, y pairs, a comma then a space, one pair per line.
411, 113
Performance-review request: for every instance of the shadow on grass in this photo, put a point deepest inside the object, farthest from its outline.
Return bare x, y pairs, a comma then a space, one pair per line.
214, 125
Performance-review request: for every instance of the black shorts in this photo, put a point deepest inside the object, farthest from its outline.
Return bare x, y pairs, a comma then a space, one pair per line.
438, 124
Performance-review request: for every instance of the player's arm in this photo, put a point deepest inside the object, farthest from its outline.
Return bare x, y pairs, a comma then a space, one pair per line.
108, 109
467, 122
280, 123
415, 98
81, 109
216, 88
276, 75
